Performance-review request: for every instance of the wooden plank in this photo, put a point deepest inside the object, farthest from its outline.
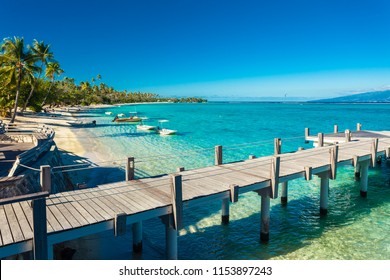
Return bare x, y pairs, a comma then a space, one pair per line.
13, 223
28, 213
55, 225
23, 223
5, 229
126, 200
109, 212
83, 200
82, 216
23, 197
59, 216
64, 211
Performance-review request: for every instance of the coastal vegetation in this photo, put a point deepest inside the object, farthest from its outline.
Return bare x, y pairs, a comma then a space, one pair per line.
30, 77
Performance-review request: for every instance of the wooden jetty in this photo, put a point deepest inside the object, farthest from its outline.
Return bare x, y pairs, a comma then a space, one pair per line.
38, 221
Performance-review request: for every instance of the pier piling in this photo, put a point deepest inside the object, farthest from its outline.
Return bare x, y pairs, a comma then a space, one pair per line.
225, 211
324, 192
265, 218
364, 177
137, 237
284, 197
171, 237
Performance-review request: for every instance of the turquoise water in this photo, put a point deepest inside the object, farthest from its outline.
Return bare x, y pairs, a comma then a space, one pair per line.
355, 228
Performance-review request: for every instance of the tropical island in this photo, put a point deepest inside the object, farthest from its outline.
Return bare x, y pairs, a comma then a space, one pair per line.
29, 79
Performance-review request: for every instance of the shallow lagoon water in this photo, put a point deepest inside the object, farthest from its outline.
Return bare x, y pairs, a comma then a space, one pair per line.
355, 228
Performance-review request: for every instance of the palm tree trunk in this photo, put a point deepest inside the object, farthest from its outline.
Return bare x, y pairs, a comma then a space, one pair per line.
16, 99
48, 92
28, 98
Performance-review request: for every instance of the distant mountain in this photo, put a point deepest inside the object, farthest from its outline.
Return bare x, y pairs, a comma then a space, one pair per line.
366, 97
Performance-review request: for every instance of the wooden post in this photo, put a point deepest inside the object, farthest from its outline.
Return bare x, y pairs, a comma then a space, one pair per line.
277, 146
374, 149
265, 218
364, 177
218, 155
334, 152
177, 201
40, 246
45, 178
275, 168
284, 197
347, 135
120, 224
307, 133
225, 211
137, 237
320, 140
324, 193
335, 128
358, 127
130, 169
308, 173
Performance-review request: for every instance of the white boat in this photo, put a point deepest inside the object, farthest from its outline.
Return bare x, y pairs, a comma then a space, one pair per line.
146, 127
143, 126
121, 115
165, 131
108, 113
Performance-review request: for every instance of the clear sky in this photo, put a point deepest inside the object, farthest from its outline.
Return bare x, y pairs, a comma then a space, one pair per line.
307, 48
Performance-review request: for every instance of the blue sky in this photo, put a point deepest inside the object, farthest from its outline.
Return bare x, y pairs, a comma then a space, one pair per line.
302, 48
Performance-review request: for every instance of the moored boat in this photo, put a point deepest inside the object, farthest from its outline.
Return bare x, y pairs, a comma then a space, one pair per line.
164, 131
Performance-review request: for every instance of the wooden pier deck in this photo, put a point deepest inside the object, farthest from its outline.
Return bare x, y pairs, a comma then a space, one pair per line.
78, 213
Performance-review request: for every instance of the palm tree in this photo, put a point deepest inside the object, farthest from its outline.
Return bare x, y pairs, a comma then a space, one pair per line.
52, 69
42, 52
15, 63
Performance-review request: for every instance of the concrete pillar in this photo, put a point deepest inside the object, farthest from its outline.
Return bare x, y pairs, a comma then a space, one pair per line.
137, 237
171, 238
324, 193
225, 211
265, 217
364, 177
283, 199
